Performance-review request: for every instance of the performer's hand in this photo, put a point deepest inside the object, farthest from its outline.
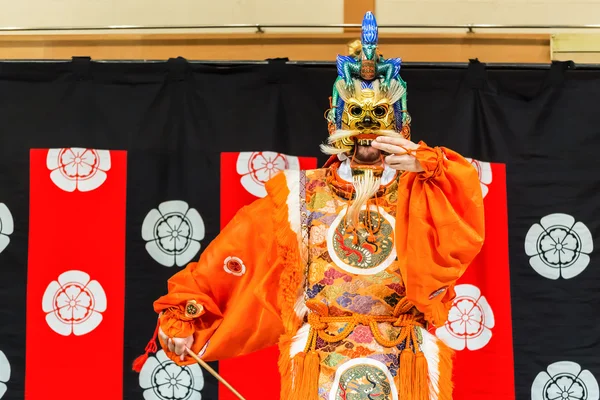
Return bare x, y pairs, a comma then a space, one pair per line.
177, 345
398, 158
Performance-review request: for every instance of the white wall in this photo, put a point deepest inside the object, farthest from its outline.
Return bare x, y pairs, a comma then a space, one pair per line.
86, 13
498, 12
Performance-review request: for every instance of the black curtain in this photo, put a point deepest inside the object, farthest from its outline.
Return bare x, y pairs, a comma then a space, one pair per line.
174, 118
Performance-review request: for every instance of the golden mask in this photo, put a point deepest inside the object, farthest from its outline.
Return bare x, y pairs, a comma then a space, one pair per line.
367, 112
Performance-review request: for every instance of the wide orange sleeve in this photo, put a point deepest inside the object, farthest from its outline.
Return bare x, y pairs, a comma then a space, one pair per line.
224, 282
439, 228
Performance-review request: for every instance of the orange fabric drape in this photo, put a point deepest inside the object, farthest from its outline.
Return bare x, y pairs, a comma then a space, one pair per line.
439, 228
235, 319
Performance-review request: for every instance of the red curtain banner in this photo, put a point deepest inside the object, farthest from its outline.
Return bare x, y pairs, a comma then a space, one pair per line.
242, 181
479, 325
76, 274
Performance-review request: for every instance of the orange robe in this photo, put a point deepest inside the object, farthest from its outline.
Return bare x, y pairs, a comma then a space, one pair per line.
259, 303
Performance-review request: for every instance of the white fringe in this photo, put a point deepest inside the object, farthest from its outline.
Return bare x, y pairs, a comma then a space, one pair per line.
299, 340
431, 351
331, 150
393, 94
366, 186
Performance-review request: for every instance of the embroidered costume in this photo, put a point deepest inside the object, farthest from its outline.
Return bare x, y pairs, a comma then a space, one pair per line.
345, 267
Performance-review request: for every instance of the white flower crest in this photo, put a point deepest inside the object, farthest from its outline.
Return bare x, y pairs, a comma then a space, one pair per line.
256, 168
484, 169
7, 226
564, 380
78, 168
234, 266
173, 233
4, 373
558, 246
162, 379
74, 304
470, 320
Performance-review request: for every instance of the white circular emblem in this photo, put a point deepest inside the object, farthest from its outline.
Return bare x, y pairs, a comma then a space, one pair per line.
564, 380
350, 378
77, 168
74, 304
173, 233
470, 320
558, 246
4, 373
484, 170
364, 257
162, 379
256, 168
7, 226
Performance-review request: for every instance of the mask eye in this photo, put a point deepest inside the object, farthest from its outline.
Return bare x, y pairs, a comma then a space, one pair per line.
380, 111
356, 111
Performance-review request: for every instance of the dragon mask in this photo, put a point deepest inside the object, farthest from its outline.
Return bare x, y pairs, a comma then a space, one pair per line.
368, 99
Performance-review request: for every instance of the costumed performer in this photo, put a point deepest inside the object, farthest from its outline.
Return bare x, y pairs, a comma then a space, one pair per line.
345, 267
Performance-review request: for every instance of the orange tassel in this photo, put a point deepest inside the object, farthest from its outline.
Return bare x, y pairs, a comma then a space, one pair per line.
445, 385
139, 362
296, 377
310, 376
151, 347
305, 377
405, 376
293, 381
421, 378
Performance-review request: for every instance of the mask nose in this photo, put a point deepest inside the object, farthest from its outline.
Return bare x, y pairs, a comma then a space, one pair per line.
367, 120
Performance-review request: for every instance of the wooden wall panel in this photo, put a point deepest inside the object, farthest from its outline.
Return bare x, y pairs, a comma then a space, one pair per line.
320, 47
354, 11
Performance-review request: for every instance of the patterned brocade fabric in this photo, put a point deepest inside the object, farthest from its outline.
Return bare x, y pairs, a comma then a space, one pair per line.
353, 277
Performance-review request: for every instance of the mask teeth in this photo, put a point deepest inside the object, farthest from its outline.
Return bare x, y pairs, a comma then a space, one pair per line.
364, 142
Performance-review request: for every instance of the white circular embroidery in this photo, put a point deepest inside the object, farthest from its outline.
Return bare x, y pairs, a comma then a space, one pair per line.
74, 304
7, 226
335, 394
564, 380
364, 253
558, 246
484, 170
256, 168
173, 233
77, 168
162, 379
4, 373
234, 266
470, 320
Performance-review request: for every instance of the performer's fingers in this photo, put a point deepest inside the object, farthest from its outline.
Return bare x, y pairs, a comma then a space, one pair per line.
188, 341
179, 346
409, 166
389, 148
163, 336
397, 141
399, 159
170, 344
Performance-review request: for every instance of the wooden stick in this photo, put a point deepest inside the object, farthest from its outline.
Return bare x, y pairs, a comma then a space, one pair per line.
213, 373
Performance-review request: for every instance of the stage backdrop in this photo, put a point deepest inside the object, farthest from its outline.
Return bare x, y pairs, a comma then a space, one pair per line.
114, 176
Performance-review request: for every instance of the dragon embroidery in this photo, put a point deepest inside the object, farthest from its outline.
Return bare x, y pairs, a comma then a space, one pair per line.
364, 382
